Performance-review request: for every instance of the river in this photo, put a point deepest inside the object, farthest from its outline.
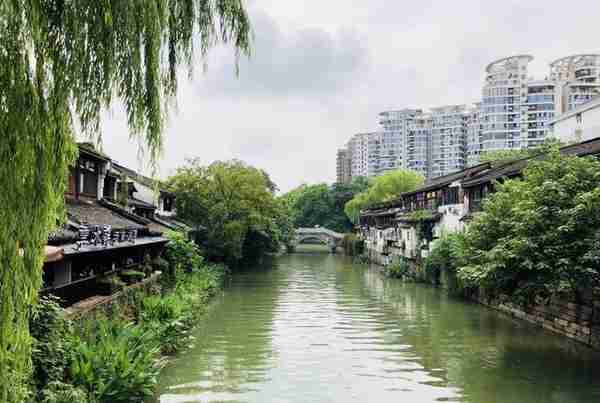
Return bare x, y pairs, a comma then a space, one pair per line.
314, 327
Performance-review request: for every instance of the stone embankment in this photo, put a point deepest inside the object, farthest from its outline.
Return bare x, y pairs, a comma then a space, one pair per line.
577, 320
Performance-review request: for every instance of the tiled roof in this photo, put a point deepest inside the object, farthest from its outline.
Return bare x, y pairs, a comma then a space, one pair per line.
443, 181
90, 149
514, 168
97, 214
435, 184
140, 203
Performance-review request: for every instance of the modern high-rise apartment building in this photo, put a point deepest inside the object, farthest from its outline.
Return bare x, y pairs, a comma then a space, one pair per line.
417, 153
516, 109
504, 94
343, 166
448, 139
474, 134
515, 112
579, 79
358, 149
397, 126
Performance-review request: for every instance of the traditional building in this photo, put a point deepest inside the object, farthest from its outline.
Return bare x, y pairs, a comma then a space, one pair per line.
101, 237
405, 227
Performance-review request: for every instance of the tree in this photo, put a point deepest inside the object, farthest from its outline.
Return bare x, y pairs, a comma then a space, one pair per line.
384, 188
502, 156
538, 235
232, 207
323, 205
61, 64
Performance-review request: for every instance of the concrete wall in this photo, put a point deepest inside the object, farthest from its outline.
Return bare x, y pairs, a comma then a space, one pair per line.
451, 219
572, 129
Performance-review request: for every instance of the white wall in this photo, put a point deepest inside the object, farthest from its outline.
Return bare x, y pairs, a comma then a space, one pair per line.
572, 129
450, 220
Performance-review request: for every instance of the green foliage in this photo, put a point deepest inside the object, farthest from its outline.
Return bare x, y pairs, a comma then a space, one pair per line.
323, 205
443, 259
62, 64
399, 269
499, 157
352, 245
132, 276
49, 329
181, 254
537, 235
115, 361
232, 206
384, 188
59, 392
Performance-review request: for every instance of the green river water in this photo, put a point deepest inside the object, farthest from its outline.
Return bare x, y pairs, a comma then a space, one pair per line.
313, 327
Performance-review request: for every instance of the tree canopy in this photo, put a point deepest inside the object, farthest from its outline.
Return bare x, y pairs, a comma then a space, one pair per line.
61, 64
323, 204
539, 234
232, 207
384, 188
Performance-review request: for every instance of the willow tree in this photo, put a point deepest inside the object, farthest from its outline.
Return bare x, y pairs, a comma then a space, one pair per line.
62, 62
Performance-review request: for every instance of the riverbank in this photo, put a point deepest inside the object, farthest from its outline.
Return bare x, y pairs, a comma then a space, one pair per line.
576, 317
116, 354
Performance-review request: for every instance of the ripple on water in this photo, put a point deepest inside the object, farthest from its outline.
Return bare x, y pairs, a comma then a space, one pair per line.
316, 328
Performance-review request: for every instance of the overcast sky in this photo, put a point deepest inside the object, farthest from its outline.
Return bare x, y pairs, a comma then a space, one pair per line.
323, 69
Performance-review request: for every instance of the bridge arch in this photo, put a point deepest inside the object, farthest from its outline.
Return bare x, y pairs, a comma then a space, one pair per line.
322, 235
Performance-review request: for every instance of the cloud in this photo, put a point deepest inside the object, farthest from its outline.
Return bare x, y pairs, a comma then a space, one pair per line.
307, 62
322, 71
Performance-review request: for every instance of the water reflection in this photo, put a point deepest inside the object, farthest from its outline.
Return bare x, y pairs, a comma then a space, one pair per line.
316, 328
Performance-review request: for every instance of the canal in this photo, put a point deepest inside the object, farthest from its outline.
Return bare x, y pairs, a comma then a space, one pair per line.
313, 327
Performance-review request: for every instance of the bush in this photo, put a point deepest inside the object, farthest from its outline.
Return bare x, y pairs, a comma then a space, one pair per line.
538, 235
115, 361
181, 254
443, 260
171, 317
399, 269
59, 392
50, 330
117, 358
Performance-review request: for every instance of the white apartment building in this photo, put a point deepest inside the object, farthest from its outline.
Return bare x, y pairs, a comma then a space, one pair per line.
474, 134
504, 94
448, 139
579, 124
417, 155
515, 112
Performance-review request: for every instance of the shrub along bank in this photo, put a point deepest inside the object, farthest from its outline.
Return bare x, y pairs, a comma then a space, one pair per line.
116, 356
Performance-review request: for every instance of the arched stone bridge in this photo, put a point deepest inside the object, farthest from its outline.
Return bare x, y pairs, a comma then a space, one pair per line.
318, 235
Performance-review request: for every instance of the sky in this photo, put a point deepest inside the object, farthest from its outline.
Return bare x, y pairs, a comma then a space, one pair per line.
322, 70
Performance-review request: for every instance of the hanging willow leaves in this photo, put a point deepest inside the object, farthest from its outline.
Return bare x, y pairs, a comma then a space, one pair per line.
62, 62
